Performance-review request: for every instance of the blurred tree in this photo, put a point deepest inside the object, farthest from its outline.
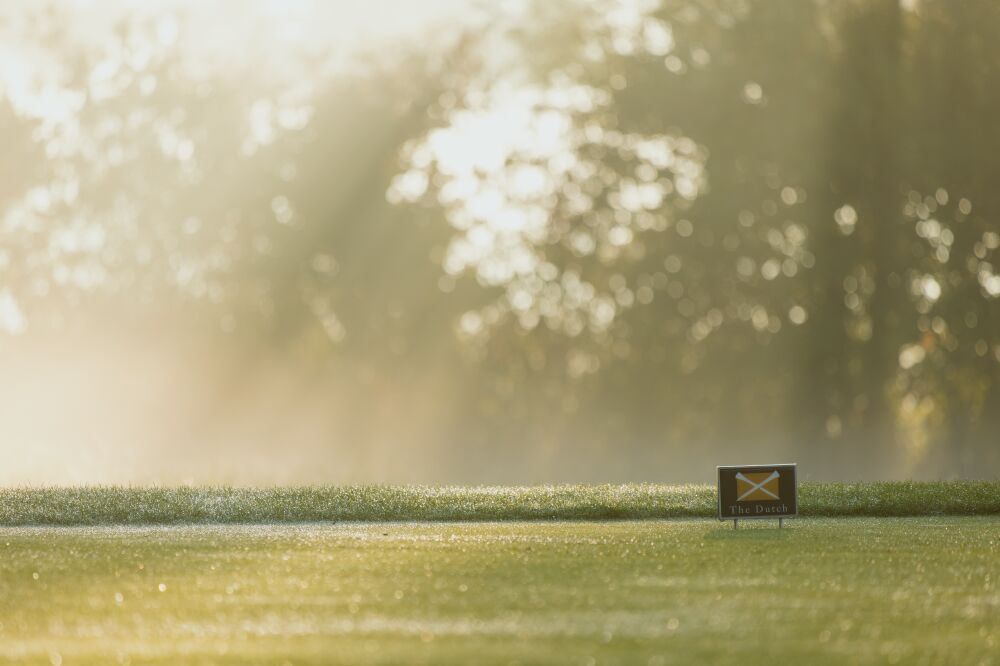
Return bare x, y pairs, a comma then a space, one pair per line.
636, 231
789, 221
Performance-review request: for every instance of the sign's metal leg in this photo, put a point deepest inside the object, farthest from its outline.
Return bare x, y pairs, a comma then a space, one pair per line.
736, 523
780, 521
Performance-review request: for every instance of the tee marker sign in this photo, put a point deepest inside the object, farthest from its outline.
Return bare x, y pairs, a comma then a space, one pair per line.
757, 491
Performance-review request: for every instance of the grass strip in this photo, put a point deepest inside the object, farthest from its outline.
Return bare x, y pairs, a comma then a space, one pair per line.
135, 505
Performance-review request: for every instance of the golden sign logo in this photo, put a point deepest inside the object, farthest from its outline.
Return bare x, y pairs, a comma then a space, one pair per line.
756, 486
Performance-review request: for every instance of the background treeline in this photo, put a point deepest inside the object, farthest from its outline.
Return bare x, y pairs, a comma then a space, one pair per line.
586, 241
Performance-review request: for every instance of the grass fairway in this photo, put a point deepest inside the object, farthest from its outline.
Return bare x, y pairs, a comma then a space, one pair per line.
824, 590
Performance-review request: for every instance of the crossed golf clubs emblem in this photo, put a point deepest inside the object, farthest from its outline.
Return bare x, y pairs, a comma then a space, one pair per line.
757, 486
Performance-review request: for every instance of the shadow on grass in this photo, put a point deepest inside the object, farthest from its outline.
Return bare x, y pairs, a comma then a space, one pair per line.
762, 532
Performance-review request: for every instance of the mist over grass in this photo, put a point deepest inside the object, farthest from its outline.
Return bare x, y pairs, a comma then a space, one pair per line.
121, 505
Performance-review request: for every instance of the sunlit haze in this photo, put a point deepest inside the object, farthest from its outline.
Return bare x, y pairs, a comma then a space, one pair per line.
278, 242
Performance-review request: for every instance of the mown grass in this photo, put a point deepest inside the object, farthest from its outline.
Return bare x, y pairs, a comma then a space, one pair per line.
669, 592
119, 505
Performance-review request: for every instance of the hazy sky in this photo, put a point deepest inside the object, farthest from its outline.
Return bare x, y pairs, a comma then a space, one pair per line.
303, 23
269, 36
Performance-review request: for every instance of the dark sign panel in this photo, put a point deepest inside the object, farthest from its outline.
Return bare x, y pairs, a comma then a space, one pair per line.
757, 491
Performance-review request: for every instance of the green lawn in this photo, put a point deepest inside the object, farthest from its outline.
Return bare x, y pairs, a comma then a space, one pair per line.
690, 591
116, 505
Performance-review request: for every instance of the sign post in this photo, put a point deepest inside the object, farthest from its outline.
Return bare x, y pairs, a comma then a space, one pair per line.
758, 491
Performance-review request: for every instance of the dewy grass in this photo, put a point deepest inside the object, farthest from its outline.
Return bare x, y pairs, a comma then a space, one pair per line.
825, 591
117, 505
